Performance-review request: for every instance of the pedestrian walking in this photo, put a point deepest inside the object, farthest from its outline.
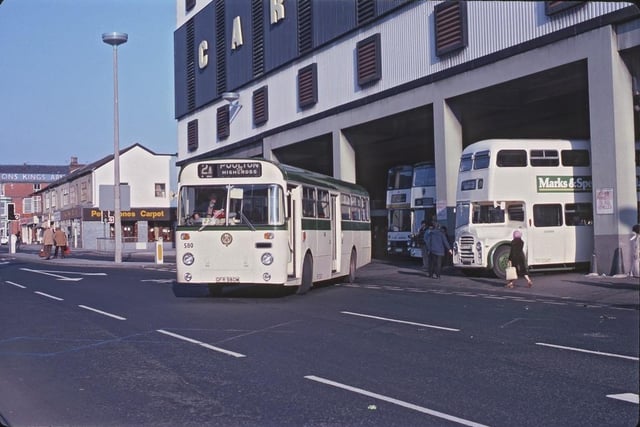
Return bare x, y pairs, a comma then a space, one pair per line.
47, 241
60, 239
635, 252
518, 260
436, 244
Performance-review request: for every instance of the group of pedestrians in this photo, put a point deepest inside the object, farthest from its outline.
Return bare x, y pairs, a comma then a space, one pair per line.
435, 247
54, 238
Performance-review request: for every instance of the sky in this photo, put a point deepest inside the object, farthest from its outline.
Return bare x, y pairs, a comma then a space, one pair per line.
56, 79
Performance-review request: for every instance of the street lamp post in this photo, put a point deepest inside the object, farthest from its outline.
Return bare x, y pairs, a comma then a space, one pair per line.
115, 39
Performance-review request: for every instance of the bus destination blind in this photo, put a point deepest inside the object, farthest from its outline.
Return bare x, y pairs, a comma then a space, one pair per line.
230, 170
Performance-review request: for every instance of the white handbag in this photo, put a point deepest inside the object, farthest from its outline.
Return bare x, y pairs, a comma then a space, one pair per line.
511, 273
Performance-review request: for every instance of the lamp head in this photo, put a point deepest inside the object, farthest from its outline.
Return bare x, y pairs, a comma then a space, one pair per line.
115, 39
230, 97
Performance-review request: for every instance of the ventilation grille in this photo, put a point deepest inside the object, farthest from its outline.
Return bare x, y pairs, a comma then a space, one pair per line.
553, 7
260, 106
191, 66
368, 60
450, 26
192, 135
257, 25
305, 34
221, 66
366, 11
222, 122
308, 86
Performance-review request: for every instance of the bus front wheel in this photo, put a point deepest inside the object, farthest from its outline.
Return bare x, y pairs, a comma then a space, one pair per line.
501, 261
307, 275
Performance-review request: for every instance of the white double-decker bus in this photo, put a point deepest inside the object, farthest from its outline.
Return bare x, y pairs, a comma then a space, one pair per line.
399, 181
541, 187
252, 221
423, 201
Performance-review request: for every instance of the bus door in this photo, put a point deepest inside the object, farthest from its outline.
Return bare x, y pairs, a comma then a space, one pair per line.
546, 237
334, 233
578, 218
293, 224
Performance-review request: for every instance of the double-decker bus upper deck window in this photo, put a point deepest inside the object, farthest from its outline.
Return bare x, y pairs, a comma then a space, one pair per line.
424, 176
575, 157
466, 162
511, 158
400, 178
481, 159
544, 158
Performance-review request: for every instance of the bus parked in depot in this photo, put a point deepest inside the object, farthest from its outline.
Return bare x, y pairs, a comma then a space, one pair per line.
423, 202
541, 187
253, 221
399, 181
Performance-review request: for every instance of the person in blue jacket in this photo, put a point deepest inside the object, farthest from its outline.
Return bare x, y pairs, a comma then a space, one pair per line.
436, 243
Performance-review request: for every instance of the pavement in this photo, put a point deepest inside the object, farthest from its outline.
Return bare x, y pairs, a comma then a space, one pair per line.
619, 291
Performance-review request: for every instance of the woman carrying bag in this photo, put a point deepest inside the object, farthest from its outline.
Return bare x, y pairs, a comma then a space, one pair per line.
518, 260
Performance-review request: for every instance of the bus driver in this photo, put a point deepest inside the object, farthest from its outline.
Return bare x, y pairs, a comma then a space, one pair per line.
212, 209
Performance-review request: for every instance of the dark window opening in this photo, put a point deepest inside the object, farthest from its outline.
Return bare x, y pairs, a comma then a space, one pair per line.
511, 158
575, 157
547, 215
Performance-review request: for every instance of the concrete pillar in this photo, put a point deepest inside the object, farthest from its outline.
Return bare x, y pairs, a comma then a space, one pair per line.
344, 157
447, 150
612, 148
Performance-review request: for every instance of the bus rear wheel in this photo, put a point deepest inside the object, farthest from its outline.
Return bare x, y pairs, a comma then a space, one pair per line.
307, 275
501, 261
352, 267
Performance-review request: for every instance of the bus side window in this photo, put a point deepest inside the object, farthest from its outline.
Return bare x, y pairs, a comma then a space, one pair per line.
323, 204
345, 206
547, 215
308, 202
577, 214
516, 213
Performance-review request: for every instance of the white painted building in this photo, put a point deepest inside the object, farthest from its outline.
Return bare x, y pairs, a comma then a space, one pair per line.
148, 184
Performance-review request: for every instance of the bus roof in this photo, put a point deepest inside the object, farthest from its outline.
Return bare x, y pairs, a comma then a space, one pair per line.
525, 143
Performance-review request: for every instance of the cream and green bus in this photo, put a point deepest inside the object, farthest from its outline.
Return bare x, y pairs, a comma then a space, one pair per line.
257, 222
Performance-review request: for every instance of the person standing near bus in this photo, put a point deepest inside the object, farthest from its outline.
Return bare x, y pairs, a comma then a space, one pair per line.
517, 259
436, 243
421, 241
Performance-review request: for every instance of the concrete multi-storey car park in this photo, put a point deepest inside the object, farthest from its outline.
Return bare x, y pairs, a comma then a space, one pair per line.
351, 87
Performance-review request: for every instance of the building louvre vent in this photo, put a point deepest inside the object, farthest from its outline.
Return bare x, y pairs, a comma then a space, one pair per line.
221, 65
192, 135
191, 66
553, 7
450, 26
366, 10
368, 60
258, 39
305, 33
189, 4
260, 106
222, 122
308, 86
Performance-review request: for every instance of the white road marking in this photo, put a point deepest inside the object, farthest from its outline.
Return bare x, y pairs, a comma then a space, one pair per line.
102, 312
599, 353
15, 284
400, 321
48, 296
395, 401
200, 343
70, 279
158, 280
627, 397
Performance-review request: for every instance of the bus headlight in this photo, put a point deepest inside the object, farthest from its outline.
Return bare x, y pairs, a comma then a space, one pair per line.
188, 258
266, 258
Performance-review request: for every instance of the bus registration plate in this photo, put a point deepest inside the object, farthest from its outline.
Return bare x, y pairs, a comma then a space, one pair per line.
227, 279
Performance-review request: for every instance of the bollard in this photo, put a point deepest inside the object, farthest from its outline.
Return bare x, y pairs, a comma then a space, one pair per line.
159, 254
617, 269
594, 265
